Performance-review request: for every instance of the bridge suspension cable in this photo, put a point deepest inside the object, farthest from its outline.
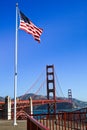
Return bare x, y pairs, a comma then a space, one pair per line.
39, 89
58, 85
33, 85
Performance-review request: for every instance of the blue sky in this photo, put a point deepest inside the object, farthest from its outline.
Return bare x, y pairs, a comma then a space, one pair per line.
63, 43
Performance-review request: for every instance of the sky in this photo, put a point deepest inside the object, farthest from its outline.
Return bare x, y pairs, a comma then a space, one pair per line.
63, 44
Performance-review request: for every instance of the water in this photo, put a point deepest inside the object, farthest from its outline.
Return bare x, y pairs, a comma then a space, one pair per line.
41, 111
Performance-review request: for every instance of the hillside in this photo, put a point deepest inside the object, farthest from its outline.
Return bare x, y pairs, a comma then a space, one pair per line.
2, 98
76, 103
34, 97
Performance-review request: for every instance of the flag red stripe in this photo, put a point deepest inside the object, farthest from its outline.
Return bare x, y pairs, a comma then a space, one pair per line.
31, 29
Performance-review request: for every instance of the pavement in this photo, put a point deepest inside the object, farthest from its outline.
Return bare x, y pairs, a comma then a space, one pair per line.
8, 125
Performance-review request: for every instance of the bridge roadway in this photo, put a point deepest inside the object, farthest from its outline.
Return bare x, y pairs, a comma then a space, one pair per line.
25, 103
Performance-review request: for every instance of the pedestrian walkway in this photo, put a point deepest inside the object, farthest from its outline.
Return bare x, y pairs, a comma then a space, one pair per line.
8, 125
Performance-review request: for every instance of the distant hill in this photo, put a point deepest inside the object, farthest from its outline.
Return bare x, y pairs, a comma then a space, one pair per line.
2, 98
33, 96
76, 103
79, 104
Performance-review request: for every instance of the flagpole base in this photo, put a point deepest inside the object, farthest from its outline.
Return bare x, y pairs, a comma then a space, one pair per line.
15, 124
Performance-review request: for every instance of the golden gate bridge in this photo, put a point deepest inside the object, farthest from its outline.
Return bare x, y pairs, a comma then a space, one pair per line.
22, 106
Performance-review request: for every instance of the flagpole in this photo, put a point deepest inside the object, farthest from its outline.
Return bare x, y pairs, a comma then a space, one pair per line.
15, 73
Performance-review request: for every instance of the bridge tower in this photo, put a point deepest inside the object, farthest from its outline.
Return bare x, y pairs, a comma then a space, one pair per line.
51, 88
69, 94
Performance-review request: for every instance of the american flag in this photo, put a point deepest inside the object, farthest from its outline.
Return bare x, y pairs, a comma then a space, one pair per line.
29, 27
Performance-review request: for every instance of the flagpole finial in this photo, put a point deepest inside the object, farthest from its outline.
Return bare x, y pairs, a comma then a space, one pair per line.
16, 4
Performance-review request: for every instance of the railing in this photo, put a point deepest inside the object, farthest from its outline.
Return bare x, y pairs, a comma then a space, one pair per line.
63, 121
33, 124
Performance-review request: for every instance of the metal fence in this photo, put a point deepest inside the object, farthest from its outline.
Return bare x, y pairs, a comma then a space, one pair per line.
33, 124
63, 120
